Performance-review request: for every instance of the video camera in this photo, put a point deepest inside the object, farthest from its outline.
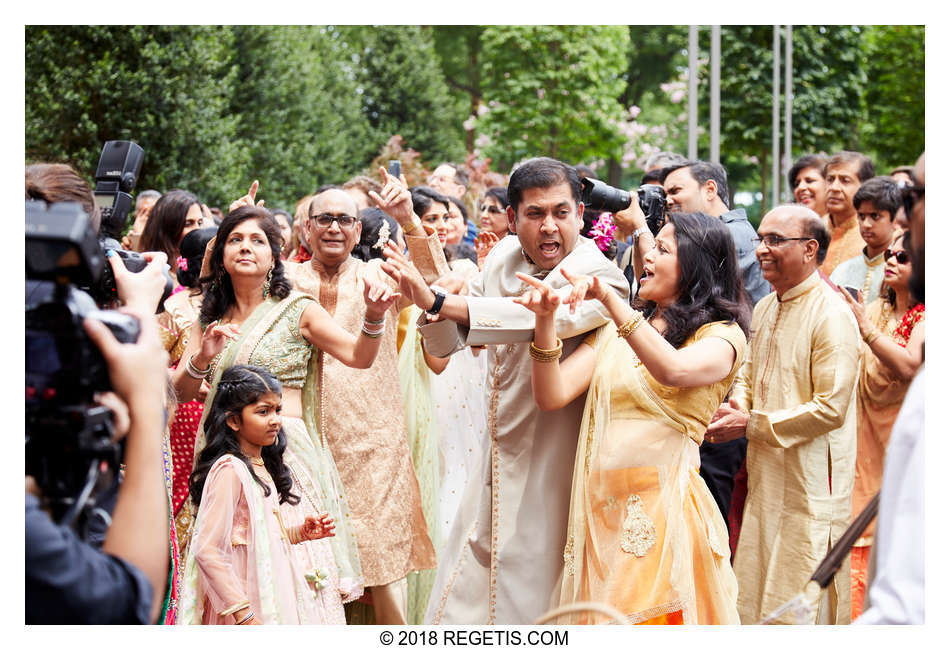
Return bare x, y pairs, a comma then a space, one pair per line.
69, 438
597, 195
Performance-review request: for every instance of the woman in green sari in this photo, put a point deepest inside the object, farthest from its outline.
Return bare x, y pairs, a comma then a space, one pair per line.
250, 315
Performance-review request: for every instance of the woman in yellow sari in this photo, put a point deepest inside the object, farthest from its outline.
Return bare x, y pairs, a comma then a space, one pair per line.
644, 534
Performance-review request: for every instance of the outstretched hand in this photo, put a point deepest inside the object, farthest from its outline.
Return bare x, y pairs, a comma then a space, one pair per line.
317, 527
379, 298
394, 199
541, 299
407, 276
247, 199
586, 287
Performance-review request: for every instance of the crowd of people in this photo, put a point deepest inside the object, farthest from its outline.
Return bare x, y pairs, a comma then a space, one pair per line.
406, 405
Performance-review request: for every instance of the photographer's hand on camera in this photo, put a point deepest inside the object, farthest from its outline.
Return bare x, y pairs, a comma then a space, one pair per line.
143, 290
138, 373
632, 221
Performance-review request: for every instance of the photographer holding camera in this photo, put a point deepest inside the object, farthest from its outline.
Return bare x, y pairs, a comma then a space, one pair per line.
67, 580
97, 527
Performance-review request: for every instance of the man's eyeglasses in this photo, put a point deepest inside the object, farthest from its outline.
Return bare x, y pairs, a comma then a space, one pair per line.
325, 220
911, 194
774, 241
901, 256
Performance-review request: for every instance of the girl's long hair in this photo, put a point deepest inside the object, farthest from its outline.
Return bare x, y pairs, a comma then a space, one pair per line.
216, 286
710, 287
162, 231
239, 386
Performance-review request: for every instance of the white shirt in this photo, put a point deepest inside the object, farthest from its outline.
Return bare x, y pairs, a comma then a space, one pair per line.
897, 593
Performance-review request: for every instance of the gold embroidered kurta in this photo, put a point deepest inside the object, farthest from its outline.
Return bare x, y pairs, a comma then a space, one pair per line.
366, 432
798, 383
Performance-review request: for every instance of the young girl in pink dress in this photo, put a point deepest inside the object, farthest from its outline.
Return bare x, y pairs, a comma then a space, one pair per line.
240, 568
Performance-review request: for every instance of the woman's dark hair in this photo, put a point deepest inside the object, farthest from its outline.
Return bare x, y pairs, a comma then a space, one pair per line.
239, 386
166, 221
423, 197
56, 183
808, 161
500, 194
285, 214
710, 287
192, 251
373, 220
461, 206
216, 286
461, 251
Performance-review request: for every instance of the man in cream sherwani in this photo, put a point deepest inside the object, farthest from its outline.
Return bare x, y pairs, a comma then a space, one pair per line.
504, 555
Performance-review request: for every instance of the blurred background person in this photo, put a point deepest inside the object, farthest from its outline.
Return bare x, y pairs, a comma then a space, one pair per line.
173, 216
844, 172
806, 178
144, 202
285, 223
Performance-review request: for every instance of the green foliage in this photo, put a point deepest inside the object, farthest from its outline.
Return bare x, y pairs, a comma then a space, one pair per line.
300, 115
552, 91
403, 90
894, 94
165, 87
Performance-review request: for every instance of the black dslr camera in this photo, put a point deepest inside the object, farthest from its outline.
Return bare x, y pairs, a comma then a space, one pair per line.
597, 195
69, 438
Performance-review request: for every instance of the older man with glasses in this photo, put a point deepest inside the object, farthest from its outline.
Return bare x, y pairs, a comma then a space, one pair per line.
361, 416
794, 400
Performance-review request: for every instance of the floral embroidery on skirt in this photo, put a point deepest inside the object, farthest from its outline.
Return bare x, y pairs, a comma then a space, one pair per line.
639, 533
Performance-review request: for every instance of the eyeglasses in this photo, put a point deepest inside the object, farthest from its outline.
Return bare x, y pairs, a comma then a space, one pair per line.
774, 241
901, 256
326, 219
910, 195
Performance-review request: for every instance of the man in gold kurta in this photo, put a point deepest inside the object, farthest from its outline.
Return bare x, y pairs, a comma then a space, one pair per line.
365, 433
794, 400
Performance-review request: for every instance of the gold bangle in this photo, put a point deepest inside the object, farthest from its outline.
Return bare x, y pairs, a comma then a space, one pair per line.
244, 620
545, 356
628, 328
871, 336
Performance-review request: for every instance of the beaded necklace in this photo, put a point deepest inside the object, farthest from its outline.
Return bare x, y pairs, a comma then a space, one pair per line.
910, 319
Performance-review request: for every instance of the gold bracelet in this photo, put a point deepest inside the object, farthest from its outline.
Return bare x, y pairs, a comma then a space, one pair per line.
545, 356
628, 328
415, 224
871, 336
244, 620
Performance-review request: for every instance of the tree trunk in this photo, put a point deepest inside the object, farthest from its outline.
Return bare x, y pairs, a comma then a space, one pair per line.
613, 172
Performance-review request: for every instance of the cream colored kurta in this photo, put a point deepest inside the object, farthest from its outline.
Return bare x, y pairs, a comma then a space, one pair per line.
366, 435
503, 559
798, 382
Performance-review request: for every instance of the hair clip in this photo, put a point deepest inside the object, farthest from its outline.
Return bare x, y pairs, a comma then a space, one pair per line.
182, 263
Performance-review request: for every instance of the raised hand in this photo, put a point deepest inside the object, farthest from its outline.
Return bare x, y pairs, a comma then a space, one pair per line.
857, 308
247, 199
585, 288
411, 283
541, 299
317, 527
215, 338
394, 199
379, 298
485, 241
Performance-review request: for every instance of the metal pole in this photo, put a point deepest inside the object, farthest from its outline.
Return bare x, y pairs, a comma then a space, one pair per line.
788, 109
776, 55
693, 90
714, 60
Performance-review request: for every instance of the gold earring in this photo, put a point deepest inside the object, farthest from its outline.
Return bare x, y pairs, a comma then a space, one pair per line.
266, 288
